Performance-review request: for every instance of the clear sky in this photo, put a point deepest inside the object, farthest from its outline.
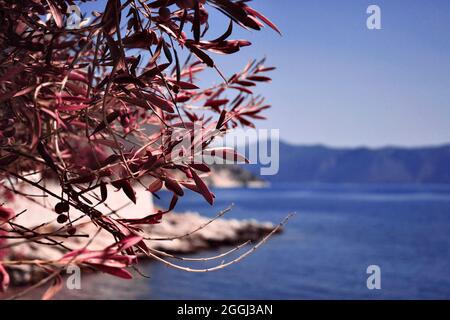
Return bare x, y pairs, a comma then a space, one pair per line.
340, 84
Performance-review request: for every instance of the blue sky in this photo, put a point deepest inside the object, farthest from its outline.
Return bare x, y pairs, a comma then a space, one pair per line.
340, 84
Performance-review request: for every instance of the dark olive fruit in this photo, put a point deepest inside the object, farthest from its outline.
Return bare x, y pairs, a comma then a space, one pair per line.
176, 88
62, 218
61, 207
82, 42
71, 230
164, 13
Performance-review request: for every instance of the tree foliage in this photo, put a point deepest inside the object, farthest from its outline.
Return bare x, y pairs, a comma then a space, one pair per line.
100, 104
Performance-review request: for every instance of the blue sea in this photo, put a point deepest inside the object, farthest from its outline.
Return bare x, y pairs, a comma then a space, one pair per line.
324, 251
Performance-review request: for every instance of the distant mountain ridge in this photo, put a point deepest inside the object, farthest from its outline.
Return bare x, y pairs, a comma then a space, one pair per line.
361, 165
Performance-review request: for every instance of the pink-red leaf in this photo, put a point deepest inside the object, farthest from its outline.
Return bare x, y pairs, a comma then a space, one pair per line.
126, 188
121, 273
204, 191
55, 287
262, 17
173, 186
155, 186
56, 13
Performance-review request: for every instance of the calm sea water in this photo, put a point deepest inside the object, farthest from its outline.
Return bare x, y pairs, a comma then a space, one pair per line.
337, 233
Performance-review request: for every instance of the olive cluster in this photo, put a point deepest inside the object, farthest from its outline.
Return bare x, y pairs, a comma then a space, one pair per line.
62, 209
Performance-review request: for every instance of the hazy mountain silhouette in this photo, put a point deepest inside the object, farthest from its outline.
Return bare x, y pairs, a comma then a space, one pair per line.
361, 165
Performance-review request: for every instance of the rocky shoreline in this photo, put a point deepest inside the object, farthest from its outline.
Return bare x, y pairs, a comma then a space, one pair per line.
178, 233
176, 229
